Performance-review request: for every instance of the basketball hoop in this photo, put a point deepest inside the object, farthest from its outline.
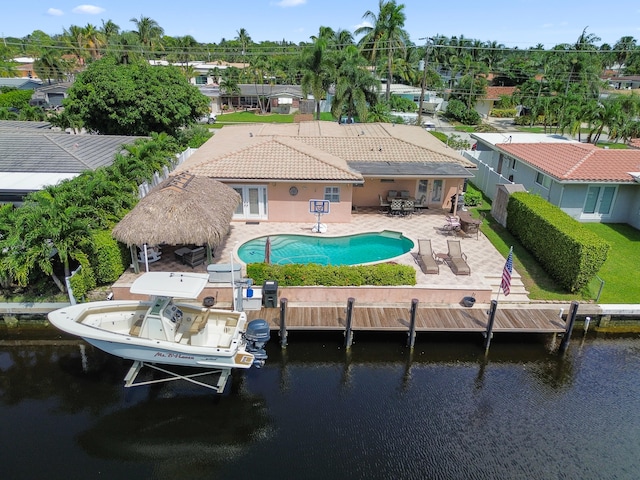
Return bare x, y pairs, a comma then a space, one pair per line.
319, 208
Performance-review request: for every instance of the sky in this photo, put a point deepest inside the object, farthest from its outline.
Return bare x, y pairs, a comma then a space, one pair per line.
514, 23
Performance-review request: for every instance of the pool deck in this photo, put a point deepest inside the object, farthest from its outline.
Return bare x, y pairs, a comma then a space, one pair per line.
444, 288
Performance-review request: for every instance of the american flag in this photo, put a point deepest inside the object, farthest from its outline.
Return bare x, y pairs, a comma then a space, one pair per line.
506, 273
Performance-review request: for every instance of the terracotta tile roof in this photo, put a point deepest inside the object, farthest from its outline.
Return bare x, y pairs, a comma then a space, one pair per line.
313, 151
634, 142
577, 161
494, 93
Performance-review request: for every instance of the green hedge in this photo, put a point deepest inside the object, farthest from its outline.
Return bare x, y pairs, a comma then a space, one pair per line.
503, 113
109, 258
568, 252
294, 275
82, 282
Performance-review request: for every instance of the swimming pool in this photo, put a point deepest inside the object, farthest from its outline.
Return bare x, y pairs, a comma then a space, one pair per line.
345, 250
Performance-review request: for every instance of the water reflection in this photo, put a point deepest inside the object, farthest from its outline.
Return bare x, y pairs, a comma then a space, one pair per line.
443, 410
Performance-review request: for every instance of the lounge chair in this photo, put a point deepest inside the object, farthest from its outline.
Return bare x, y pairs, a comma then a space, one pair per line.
457, 259
428, 258
194, 257
452, 225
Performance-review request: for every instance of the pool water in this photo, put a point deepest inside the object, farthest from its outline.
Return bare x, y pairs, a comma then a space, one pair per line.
345, 250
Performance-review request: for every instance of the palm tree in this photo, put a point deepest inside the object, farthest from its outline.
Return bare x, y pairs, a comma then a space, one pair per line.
51, 65
387, 32
319, 71
109, 30
356, 88
244, 39
623, 49
148, 31
94, 40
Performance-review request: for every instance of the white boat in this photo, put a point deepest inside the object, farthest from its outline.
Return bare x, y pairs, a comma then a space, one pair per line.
165, 330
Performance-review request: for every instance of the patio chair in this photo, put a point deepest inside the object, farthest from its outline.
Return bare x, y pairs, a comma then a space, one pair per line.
457, 259
194, 257
427, 256
421, 203
407, 207
384, 205
452, 225
392, 194
404, 194
153, 255
396, 207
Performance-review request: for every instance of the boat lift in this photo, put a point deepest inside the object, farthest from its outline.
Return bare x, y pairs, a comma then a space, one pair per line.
130, 377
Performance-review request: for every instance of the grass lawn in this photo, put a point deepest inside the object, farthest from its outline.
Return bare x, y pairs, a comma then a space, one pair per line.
251, 117
618, 272
620, 269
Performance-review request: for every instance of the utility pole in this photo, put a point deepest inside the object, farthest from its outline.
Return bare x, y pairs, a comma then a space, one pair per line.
425, 63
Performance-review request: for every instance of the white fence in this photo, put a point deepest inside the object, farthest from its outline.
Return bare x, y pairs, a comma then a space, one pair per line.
159, 177
486, 178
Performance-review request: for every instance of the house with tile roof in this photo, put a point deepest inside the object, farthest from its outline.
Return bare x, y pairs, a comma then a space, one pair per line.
485, 104
278, 168
32, 156
589, 183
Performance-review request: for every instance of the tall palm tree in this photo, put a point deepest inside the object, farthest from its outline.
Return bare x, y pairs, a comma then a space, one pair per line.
319, 71
109, 29
51, 65
356, 88
387, 32
623, 49
244, 39
148, 31
94, 40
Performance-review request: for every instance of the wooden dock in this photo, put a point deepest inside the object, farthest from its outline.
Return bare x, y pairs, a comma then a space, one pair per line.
428, 319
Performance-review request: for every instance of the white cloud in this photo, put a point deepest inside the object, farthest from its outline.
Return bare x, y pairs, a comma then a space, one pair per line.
55, 12
289, 3
89, 9
363, 24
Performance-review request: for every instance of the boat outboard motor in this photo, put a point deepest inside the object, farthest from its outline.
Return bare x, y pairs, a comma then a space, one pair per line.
257, 335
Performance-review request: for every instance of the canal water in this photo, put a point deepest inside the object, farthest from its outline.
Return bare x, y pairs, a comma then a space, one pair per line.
317, 411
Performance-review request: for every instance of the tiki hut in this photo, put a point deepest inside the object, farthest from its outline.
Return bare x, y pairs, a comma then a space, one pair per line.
184, 209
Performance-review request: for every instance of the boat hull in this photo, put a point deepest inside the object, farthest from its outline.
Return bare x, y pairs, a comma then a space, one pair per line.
143, 349
167, 356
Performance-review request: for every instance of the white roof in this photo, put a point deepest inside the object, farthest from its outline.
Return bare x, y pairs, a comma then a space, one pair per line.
515, 137
27, 181
170, 284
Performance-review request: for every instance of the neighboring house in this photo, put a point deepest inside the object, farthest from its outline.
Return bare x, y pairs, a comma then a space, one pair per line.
589, 183
279, 168
628, 82
50, 95
279, 98
485, 104
22, 83
33, 156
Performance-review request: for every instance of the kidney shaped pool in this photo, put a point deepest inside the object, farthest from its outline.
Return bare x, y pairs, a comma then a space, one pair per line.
345, 250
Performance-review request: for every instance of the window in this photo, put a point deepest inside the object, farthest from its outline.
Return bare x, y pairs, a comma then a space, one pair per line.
512, 163
332, 194
544, 180
436, 193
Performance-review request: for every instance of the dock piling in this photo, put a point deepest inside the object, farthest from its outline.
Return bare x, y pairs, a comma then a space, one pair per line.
283, 323
564, 344
348, 332
489, 332
412, 325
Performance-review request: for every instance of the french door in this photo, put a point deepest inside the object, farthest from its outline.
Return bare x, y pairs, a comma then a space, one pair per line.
254, 202
599, 201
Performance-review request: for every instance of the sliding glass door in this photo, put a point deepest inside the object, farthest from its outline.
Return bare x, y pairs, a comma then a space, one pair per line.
254, 202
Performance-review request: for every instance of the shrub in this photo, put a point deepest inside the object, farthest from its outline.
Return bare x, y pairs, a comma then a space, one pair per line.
295, 275
109, 258
82, 282
503, 112
472, 198
567, 251
457, 110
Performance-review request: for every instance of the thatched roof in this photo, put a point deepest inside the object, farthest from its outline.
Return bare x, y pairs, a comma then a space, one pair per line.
184, 209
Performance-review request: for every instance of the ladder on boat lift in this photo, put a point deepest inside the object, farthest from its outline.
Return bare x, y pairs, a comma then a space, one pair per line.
130, 377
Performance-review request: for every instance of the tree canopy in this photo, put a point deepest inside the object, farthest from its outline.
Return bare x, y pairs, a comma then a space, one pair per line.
133, 99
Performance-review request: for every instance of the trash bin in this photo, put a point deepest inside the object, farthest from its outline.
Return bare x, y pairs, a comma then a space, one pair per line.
270, 294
